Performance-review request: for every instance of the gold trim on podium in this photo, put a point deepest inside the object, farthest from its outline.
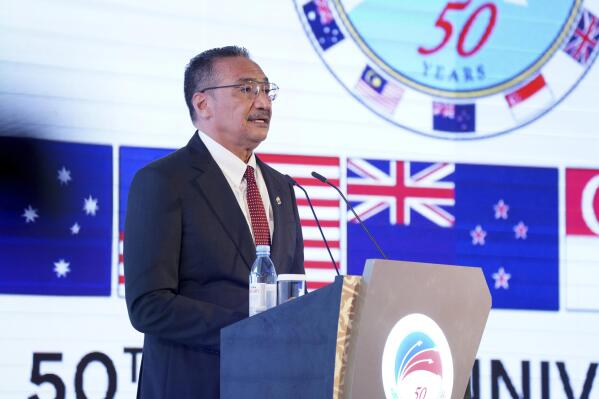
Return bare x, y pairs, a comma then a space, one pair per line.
347, 306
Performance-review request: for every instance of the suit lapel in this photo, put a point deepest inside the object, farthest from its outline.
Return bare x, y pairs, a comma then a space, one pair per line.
213, 186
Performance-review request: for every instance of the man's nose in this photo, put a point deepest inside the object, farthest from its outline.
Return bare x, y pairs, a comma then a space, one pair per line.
262, 101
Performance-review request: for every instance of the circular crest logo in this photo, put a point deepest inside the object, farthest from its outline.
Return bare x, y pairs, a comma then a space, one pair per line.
417, 361
463, 69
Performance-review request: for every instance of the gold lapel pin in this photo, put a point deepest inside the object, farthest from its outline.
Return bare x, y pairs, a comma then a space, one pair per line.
278, 200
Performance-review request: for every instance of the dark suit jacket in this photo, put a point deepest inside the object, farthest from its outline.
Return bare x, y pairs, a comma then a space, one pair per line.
188, 253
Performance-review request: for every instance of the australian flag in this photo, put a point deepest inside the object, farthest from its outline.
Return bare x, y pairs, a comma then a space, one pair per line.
56, 217
456, 118
500, 218
323, 25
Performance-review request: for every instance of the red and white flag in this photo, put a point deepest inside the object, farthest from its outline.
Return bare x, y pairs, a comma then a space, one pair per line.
582, 238
319, 270
121, 280
530, 99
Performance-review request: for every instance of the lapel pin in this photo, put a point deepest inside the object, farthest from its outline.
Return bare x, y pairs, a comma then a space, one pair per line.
278, 200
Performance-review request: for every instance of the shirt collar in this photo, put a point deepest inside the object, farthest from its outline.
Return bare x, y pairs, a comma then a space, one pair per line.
232, 167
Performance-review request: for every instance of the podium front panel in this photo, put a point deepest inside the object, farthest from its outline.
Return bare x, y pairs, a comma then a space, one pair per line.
414, 321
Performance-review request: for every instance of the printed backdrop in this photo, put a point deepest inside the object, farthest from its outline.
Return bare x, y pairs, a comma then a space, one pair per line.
463, 132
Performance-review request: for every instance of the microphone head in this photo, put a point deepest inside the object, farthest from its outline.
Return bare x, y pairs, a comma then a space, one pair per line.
320, 177
291, 180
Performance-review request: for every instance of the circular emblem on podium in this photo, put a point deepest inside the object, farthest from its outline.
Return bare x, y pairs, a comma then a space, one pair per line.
463, 69
417, 361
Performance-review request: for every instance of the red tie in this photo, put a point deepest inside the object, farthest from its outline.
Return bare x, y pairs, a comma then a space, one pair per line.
257, 213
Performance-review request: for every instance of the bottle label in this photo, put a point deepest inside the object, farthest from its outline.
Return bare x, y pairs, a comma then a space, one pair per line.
262, 297
270, 295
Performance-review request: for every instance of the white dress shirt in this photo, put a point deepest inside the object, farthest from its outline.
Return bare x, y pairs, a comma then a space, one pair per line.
234, 170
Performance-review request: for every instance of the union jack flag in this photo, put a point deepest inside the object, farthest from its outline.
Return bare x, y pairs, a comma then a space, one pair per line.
444, 109
581, 45
402, 190
325, 13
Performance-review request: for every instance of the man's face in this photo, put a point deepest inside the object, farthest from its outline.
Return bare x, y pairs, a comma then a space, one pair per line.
240, 120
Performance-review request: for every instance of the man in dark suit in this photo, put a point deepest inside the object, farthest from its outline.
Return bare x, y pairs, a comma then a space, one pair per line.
191, 227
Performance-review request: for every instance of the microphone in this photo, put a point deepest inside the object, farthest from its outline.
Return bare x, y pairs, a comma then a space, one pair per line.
294, 183
325, 181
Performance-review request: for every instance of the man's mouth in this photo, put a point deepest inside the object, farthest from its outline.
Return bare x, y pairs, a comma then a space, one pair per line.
260, 120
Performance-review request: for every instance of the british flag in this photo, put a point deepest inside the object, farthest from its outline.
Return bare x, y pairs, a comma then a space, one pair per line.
444, 109
583, 42
401, 190
324, 12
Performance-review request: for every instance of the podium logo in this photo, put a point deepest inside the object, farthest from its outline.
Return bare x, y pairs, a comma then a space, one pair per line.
417, 361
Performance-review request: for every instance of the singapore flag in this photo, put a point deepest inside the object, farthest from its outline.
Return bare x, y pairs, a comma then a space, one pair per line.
582, 239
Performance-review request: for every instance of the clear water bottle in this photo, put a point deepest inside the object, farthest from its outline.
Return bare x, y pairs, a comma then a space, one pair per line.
263, 282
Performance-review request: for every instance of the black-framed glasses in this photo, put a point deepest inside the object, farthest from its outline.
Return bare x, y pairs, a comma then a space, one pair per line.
252, 89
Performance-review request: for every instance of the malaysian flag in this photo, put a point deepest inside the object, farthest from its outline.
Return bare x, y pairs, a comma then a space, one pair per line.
319, 270
457, 118
582, 43
131, 159
503, 219
323, 25
56, 230
379, 91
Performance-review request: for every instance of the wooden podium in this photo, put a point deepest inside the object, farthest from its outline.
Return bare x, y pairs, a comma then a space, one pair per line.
348, 339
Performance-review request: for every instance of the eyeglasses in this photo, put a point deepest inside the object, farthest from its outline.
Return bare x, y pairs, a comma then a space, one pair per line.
252, 89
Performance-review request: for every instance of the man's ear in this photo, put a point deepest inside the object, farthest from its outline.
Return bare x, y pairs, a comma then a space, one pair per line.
201, 105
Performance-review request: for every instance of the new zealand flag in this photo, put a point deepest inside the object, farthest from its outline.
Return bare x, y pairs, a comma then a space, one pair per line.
503, 219
456, 118
55, 217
